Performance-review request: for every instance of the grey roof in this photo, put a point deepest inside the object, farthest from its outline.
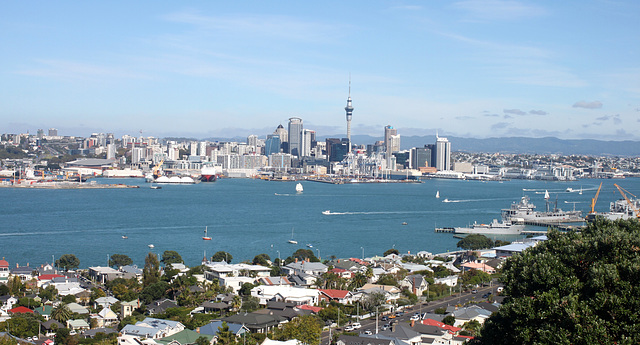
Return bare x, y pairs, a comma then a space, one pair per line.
48, 324
90, 333
253, 320
428, 329
279, 305
353, 340
401, 332
212, 328
215, 305
160, 306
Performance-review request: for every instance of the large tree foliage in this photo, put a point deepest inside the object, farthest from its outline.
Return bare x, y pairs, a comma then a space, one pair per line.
574, 288
306, 329
68, 262
151, 270
119, 260
171, 257
475, 241
222, 256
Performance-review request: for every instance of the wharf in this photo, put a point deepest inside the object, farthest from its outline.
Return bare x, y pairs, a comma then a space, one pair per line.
445, 230
65, 185
353, 181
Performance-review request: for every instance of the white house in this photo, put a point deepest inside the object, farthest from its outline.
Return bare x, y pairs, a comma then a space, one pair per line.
285, 293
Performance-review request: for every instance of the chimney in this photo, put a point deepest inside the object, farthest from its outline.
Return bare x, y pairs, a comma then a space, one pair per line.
198, 330
296, 260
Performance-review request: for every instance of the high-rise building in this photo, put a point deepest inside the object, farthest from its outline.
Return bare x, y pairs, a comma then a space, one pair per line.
111, 151
40, 134
295, 136
349, 110
308, 142
272, 145
443, 154
391, 143
281, 132
420, 157
53, 132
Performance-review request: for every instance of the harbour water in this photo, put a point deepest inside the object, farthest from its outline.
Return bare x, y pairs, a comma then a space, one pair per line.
248, 217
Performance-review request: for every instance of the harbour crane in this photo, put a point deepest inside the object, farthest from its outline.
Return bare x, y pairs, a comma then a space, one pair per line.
631, 205
595, 199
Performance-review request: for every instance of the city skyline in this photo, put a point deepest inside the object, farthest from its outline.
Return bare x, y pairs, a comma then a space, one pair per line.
468, 69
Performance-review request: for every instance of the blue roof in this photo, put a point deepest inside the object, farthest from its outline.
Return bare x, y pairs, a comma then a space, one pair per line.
515, 247
212, 328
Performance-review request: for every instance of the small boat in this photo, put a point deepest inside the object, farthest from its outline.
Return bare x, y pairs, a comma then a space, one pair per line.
205, 237
299, 188
309, 245
437, 194
124, 237
546, 194
151, 246
404, 223
446, 200
326, 212
292, 241
155, 187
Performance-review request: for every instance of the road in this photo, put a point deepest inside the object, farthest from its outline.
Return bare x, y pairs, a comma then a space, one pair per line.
424, 307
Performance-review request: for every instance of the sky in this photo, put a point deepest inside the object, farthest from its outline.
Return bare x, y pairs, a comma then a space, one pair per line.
477, 69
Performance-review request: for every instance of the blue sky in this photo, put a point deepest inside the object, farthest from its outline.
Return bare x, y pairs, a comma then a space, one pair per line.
569, 69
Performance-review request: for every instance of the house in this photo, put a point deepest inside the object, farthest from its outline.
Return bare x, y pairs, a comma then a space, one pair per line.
105, 302
391, 293
127, 308
46, 278
153, 328
354, 340
302, 279
26, 273
20, 310
312, 268
275, 281
235, 283
44, 311
77, 325
256, 323
415, 283
126, 339
218, 270
268, 341
131, 271
286, 310
467, 314
342, 273
513, 249
467, 266
449, 280
51, 326
7, 302
340, 296
91, 333
212, 328
211, 307
400, 333
184, 337
105, 318
160, 306
4, 271
104, 274
285, 293
77, 308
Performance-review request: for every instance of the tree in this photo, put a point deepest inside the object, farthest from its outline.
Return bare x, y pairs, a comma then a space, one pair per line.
391, 251
171, 257
306, 329
202, 341
4, 290
119, 260
261, 259
15, 285
69, 299
225, 336
68, 262
22, 325
48, 293
358, 281
475, 241
579, 288
449, 320
61, 313
222, 256
387, 279
302, 255
373, 300
151, 270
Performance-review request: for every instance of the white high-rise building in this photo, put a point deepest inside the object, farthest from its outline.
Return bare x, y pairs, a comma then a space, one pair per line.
295, 136
111, 151
443, 154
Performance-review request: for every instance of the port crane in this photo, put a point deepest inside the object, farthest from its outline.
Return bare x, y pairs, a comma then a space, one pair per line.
595, 199
631, 205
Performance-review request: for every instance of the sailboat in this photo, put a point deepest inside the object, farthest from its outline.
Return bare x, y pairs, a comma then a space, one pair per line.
546, 194
437, 194
299, 187
292, 241
205, 237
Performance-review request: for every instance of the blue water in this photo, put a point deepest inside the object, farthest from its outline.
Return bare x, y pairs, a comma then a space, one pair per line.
249, 217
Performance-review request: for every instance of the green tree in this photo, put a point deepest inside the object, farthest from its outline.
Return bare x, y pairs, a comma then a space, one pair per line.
119, 260
171, 257
49, 293
4, 290
68, 262
202, 341
97, 293
151, 270
225, 336
261, 259
301, 255
15, 285
222, 256
61, 313
449, 320
22, 325
578, 288
69, 299
306, 329
373, 300
358, 281
391, 251
474, 242
387, 279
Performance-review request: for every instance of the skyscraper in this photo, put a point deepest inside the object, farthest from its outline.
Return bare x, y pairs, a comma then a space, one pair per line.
349, 110
443, 153
391, 143
295, 136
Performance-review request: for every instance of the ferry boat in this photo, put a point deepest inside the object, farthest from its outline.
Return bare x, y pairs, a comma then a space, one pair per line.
525, 211
493, 228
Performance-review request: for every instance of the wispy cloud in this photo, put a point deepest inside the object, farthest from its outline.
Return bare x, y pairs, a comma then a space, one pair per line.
488, 10
588, 105
538, 112
514, 112
615, 118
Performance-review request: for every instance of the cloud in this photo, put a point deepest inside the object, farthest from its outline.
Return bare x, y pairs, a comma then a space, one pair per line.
514, 112
538, 112
588, 105
485, 10
615, 118
506, 116
491, 115
500, 125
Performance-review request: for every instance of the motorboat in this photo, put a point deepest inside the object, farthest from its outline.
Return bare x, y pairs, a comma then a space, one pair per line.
326, 212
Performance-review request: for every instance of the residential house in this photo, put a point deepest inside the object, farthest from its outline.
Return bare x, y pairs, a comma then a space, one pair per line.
256, 323
469, 313
160, 306
218, 270
448, 280
354, 340
153, 328
480, 266
104, 274
391, 293
275, 281
46, 278
342, 273
211, 307
105, 318
212, 328
235, 283
20, 310
105, 302
127, 308
44, 310
184, 337
77, 325
77, 308
7, 302
91, 333
302, 279
131, 271
340, 296
312, 268
4, 271
26, 273
415, 283
283, 309
400, 333
285, 293
51, 326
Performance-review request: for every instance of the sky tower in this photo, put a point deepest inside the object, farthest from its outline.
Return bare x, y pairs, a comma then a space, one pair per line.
349, 110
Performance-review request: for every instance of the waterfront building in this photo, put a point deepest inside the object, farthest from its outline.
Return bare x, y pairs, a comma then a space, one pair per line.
295, 136
4, 271
280, 161
443, 154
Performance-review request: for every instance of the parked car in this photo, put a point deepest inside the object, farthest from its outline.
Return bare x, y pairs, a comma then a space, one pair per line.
384, 327
474, 291
368, 332
349, 329
356, 325
385, 318
415, 318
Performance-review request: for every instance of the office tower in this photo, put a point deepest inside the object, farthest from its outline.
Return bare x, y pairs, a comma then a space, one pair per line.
53, 132
40, 134
443, 153
295, 136
308, 142
111, 151
420, 157
349, 110
272, 145
389, 142
193, 148
282, 134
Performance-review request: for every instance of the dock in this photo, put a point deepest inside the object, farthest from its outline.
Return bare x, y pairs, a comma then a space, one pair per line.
445, 230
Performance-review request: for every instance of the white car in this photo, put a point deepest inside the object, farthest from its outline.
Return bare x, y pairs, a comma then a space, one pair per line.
415, 318
349, 329
356, 325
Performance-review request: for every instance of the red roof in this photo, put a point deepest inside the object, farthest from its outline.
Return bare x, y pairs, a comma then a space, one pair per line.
49, 276
18, 310
335, 293
4, 263
338, 270
432, 322
308, 307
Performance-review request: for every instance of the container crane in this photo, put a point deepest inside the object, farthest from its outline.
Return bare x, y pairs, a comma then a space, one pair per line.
631, 205
595, 199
